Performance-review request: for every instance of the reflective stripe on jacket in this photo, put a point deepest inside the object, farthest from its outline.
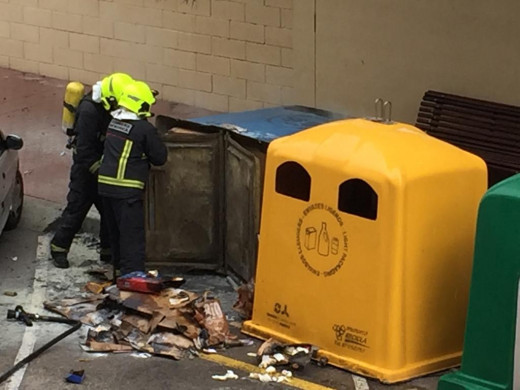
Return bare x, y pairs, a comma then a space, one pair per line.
123, 171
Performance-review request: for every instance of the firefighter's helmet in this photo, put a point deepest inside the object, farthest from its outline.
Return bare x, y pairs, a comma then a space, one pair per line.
138, 98
112, 88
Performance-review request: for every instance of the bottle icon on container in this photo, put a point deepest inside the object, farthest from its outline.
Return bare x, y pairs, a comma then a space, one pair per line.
323, 240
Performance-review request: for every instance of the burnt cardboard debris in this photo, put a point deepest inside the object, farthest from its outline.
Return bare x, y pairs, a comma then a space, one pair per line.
174, 323
244, 303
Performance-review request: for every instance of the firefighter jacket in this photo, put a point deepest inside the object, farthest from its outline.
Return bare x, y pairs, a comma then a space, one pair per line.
130, 147
90, 127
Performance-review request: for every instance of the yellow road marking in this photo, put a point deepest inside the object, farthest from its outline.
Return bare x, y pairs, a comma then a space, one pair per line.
239, 365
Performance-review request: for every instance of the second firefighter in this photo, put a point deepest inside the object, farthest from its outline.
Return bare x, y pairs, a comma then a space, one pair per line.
131, 145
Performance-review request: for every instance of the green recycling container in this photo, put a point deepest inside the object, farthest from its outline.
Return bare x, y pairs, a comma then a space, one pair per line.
491, 357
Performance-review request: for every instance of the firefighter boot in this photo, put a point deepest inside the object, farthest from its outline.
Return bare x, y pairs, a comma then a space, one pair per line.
60, 259
59, 256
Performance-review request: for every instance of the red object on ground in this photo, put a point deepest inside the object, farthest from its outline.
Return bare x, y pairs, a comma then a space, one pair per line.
140, 284
147, 284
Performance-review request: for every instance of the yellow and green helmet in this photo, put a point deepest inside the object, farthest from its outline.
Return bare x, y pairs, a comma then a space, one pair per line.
138, 98
112, 88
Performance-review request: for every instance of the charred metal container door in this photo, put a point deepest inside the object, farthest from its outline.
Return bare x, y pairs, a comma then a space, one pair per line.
184, 202
243, 178
247, 137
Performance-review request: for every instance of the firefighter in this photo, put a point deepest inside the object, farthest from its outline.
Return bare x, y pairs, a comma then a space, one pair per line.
131, 145
90, 123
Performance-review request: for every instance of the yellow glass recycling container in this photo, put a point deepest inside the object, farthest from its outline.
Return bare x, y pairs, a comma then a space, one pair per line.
366, 246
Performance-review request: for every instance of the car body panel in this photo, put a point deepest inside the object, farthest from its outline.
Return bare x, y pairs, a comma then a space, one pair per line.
9, 166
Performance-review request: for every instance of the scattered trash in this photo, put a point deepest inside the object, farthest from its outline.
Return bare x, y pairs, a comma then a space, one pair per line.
274, 353
251, 354
170, 339
229, 375
266, 378
141, 355
244, 303
287, 373
76, 308
95, 287
247, 342
268, 347
174, 323
261, 377
14, 258
270, 370
95, 346
208, 313
28, 172
180, 298
106, 316
136, 321
10, 293
267, 361
62, 153
102, 339
75, 376
360, 383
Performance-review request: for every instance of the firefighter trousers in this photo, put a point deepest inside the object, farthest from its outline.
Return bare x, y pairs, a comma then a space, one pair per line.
79, 203
125, 222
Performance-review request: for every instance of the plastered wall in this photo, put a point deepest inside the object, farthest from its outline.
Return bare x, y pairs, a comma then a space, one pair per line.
217, 54
399, 49
232, 55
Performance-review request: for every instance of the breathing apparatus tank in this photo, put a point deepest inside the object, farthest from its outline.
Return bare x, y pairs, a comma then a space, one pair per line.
73, 94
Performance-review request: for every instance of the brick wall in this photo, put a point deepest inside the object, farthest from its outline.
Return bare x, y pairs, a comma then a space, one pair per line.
224, 55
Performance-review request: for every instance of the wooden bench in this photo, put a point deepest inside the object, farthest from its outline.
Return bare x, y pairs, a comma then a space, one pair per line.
487, 129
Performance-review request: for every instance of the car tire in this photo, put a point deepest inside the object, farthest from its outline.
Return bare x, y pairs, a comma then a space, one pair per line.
16, 214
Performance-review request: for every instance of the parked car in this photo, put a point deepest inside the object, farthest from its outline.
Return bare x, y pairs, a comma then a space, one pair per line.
11, 181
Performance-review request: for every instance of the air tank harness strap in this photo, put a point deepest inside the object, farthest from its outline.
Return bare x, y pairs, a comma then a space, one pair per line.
69, 107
